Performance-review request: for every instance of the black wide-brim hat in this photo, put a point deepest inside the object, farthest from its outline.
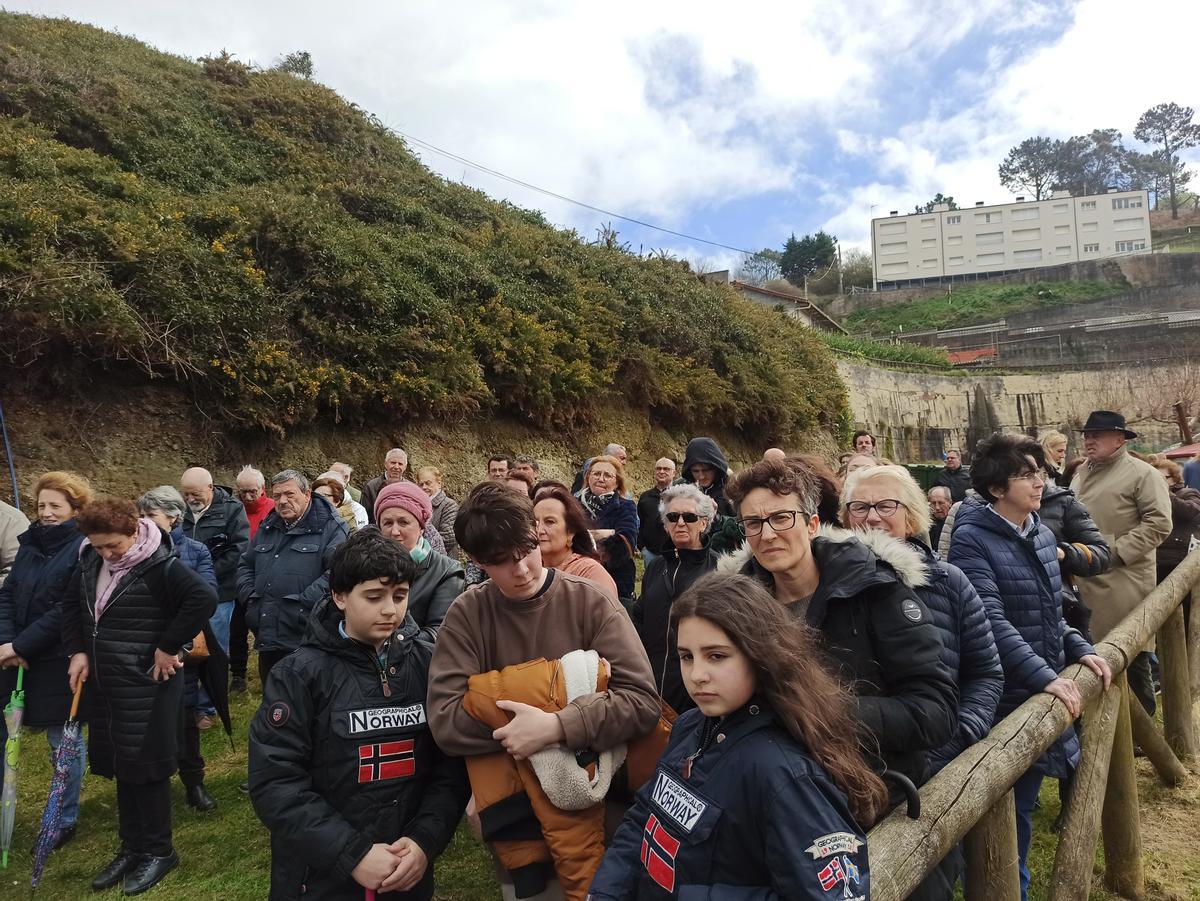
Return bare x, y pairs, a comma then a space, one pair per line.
1106, 421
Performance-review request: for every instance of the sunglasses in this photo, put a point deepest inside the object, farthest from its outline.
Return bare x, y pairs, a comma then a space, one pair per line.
689, 518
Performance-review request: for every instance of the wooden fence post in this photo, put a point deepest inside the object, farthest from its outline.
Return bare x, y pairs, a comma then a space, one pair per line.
993, 872
1073, 862
1119, 820
1176, 685
1158, 752
1194, 643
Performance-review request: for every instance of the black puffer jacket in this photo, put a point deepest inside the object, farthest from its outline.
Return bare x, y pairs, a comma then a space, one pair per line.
439, 580
30, 618
224, 529
282, 575
1085, 551
957, 481
707, 451
335, 765
665, 580
882, 641
134, 722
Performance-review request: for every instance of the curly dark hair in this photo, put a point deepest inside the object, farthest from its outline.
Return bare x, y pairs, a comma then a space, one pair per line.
809, 701
117, 515
795, 475
1001, 457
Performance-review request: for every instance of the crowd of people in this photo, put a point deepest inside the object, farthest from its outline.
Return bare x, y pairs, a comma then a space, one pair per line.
810, 644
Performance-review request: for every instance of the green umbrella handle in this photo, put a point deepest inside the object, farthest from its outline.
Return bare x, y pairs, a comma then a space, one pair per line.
20, 678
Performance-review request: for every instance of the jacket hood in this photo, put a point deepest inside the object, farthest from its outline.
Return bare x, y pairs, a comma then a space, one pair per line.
705, 450
855, 560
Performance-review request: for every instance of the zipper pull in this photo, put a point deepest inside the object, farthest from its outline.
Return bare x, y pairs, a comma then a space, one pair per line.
387, 689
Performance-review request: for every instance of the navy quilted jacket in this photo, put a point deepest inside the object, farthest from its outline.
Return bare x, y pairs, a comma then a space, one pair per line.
968, 649
1019, 581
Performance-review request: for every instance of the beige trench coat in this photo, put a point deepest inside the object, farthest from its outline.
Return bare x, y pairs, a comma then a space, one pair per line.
1129, 501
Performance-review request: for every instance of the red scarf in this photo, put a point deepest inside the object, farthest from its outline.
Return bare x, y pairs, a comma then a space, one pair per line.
256, 512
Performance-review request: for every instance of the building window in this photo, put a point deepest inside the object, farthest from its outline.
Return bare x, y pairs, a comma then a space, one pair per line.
1087, 205
932, 264
1127, 225
1091, 248
1090, 227
994, 216
929, 242
990, 259
954, 220
990, 238
1028, 256
1126, 203
1062, 229
954, 240
956, 261
1130, 246
894, 247
1062, 251
1061, 207
1027, 234
1026, 212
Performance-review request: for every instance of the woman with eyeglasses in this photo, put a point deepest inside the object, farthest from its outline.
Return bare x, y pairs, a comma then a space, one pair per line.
875, 631
614, 522
687, 514
885, 504
1012, 560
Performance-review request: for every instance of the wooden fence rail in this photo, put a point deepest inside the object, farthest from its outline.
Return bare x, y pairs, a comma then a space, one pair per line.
965, 799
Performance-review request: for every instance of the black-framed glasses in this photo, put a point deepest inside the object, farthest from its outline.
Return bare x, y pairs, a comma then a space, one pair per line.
780, 521
689, 518
884, 508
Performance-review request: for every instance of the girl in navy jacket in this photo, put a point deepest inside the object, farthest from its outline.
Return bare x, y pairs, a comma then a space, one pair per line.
762, 792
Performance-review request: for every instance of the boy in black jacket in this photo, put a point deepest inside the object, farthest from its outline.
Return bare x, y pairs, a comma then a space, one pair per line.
343, 769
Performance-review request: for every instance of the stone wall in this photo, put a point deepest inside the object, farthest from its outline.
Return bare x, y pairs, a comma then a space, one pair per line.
917, 416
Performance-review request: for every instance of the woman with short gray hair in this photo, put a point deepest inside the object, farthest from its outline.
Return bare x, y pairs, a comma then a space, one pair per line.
688, 515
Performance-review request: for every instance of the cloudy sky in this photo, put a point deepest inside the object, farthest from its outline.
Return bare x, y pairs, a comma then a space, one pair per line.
734, 123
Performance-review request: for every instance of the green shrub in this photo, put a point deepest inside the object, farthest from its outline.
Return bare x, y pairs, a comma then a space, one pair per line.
254, 236
891, 352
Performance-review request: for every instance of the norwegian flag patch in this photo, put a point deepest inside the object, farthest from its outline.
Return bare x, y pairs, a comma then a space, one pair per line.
659, 848
386, 760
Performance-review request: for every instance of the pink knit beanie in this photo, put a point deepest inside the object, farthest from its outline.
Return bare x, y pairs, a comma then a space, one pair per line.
406, 496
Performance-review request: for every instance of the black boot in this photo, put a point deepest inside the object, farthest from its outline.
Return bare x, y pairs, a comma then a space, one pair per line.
237, 685
149, 872
116, 869
199, 798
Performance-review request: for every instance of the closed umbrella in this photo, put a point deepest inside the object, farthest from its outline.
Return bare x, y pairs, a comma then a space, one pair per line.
13, 714
69, 750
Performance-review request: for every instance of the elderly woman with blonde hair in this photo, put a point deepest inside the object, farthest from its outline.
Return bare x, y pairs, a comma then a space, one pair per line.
614, 521
885, 500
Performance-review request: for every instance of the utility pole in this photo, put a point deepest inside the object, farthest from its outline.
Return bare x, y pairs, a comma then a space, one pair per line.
839, 248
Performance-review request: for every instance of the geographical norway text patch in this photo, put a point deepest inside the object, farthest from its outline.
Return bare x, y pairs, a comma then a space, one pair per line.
834, 843
659, 848
677, 802
386, 760
379, 719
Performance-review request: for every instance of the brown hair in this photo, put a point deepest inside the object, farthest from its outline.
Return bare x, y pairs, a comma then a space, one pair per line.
615, 464
783, 477
74, 487
495, 524
810, 703
1168, 467
335, 487
575, 520
108, 514
515, 475
830, 484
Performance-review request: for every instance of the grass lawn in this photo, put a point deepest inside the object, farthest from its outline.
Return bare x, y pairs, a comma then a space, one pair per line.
224, 854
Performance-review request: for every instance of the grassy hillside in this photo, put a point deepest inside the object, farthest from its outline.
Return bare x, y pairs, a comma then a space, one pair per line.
975, 303
256, 237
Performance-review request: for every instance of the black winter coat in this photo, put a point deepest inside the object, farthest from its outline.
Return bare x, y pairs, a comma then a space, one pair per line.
134, 722
30, 618
224, 530
283, 574
968, 649
957, 481
665, 580
438, 582
755, 818
882, 641
1185, 522
336, 765
370, 492
652, 535
1086, 552
707, 451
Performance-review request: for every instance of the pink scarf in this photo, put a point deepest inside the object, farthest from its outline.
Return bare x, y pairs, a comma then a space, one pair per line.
149, 537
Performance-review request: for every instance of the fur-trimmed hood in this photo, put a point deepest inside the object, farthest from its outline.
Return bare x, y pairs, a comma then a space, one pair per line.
904, 561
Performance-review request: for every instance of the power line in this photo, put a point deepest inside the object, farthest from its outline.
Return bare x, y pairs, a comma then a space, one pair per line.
564, 198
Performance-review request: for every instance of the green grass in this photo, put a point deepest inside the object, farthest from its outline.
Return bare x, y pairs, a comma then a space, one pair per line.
975, 303
224, 854
850, 346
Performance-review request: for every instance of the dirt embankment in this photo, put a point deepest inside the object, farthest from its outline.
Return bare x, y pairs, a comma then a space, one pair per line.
130, 439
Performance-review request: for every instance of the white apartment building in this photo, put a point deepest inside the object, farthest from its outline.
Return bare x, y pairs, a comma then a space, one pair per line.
947, 244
